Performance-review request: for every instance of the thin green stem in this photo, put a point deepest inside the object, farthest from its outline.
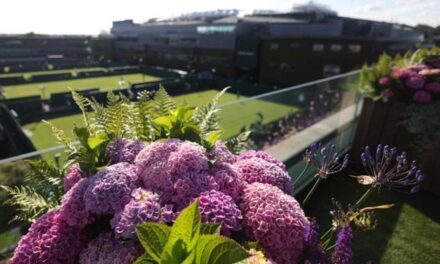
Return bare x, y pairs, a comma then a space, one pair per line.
311, 191
326, 233
301, 174
328, 240
363, 198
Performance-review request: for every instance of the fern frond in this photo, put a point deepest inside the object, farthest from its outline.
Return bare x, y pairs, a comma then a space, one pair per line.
207, 116
238, 143
61, 137
45, 177
30, 203
82, 103
163, 102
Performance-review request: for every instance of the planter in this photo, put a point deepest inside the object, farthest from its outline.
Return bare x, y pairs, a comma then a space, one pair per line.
379, 124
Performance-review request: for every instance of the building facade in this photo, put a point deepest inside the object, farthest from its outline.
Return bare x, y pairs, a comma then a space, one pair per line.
306, 43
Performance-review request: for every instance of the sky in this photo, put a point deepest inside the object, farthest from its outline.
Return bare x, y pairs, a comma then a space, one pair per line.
91, 17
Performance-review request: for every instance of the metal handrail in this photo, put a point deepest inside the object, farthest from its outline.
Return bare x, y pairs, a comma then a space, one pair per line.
241, 101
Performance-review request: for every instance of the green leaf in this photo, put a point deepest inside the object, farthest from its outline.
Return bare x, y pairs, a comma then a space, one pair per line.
163, 121
153, 237
213, 136
175, 252
184, 235
96, 141
215, 249
144, 259
210, 229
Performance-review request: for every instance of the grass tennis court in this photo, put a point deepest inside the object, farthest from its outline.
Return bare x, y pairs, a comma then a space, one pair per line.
105, 83
28, 74
233, 117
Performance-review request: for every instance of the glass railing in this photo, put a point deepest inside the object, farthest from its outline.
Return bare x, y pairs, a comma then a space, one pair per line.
284, 122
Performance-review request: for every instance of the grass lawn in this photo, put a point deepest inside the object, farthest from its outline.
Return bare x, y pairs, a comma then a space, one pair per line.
408, 233
104, 83
233, 117
28, 74
9, 238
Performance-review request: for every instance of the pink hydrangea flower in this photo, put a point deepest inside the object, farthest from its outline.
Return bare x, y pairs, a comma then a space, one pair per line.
415, 81
220, 153
177, 170
217, 207
433, 87
227, 180
106, 249
73, 210
49, 241
124, 150
401, 73
422, 97
275, 220
261, 155
258, 170
384, 81
73, 176
110, 189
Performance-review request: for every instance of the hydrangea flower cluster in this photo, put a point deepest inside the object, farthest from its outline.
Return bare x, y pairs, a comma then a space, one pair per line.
217, 207
259, 170
124, 150
107, 249
49, 240
421, 82
247, 191
143, 207
275, 220
73, 176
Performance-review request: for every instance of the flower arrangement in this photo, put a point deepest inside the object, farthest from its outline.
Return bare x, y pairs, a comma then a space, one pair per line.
414, 78
153, 183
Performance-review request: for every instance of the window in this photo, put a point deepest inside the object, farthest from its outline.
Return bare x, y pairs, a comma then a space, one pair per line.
274, 46
215, 29
295, 45
330, 70
318, 47
336, 47
354, 48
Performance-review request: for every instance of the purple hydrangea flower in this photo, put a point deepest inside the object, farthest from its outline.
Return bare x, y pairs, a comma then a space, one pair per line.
342, 254
275, 220
258, 170
261, 155
415, 81
49, 240
177, 170
388, 169
221, 153
433, 87
106, 249
143, 207
384, 81
109, 190
422, 97
73, 176
217, 207
124, 150
227, 180
73, 210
